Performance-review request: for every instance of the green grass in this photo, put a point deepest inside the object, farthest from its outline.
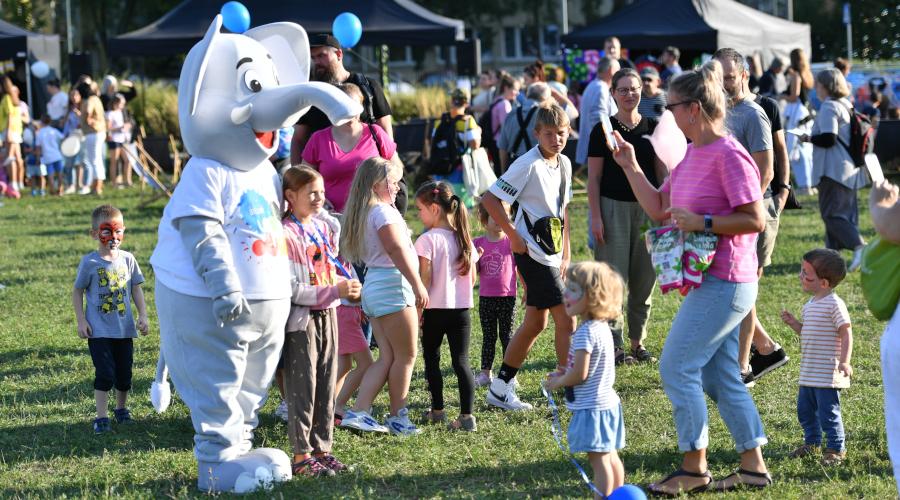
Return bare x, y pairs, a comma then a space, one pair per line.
47, 448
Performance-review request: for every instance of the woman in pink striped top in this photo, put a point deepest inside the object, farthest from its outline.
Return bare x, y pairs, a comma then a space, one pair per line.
715, 189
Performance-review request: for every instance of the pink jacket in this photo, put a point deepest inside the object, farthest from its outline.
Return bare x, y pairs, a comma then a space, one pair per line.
304, 295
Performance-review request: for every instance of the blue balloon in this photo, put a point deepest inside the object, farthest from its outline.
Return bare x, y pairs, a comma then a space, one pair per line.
235, 17
347, 28
628, 492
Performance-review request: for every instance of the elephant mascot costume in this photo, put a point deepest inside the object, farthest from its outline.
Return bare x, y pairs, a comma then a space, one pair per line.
222, 278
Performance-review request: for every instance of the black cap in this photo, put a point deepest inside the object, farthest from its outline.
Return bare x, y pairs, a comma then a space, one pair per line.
324, 41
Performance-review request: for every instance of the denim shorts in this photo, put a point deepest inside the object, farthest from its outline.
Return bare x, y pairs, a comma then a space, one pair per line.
386, 291
597, 431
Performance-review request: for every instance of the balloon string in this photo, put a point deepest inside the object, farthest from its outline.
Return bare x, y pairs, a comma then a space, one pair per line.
556, 430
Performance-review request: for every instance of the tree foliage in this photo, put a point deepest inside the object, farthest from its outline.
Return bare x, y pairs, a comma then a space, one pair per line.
874, 22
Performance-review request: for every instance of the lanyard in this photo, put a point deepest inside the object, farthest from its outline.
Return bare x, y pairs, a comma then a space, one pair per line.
324, 246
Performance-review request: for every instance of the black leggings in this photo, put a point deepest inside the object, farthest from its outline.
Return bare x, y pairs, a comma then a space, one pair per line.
456, 324
496, 315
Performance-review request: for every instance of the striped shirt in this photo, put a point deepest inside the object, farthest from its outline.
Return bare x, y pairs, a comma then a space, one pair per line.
820, 343
596, 392
715, 179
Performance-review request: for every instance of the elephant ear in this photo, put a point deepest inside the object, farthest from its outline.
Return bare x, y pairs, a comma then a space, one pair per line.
289, 47
194, 69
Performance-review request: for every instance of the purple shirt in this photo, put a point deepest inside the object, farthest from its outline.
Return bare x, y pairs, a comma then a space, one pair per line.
715, 179
496, 268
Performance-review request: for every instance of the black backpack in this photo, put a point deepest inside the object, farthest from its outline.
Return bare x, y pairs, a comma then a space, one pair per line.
862, 137
486, 123
523, 130
445, 146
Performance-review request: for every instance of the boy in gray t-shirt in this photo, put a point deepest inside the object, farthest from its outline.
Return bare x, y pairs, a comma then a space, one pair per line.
110, 278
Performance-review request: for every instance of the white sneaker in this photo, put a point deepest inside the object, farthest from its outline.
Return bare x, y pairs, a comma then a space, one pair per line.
503, 395
482, 379
401, 425
857, 259
85, 190
70, 189
362, 421
282, 412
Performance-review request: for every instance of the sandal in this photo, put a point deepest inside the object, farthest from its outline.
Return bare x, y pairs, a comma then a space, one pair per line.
738, 481
621, 358
430, 417
681, 473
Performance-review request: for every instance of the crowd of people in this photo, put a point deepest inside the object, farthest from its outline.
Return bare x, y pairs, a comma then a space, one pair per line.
357, 276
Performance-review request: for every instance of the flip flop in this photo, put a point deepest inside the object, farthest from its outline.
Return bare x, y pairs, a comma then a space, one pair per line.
739, 483
679, 473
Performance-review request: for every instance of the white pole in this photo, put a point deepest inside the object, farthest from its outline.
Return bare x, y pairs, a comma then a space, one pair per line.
69, 27
565, 16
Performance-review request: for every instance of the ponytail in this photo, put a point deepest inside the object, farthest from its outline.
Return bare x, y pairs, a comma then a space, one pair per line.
442, 194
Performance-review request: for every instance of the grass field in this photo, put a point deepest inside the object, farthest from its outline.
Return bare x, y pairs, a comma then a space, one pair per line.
47, 448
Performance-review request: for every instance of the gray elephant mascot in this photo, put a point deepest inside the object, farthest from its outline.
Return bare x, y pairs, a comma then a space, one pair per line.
222, 275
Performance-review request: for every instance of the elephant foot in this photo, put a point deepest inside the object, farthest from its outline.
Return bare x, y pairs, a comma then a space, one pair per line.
241, 475
278, 462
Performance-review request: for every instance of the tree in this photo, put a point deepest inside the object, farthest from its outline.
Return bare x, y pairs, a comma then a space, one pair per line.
875, 23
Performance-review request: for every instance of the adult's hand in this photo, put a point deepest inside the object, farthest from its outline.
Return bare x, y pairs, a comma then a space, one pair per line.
780, 200
624, 153
686, 220
597, 230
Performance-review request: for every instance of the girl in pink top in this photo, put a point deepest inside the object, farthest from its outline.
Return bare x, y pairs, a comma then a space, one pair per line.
446, 265
715, 189
337, 151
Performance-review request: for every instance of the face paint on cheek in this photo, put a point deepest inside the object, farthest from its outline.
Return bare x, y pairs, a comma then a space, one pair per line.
112, 232
573, 292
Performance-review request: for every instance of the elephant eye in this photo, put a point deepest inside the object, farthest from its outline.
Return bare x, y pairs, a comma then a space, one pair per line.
251, 81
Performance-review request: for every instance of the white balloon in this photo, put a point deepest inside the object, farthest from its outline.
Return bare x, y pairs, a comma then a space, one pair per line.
40, 69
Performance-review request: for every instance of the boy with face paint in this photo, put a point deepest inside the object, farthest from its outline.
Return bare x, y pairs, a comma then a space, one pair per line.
110, 278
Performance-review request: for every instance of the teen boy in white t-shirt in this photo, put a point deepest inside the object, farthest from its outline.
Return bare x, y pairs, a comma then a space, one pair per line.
540, 183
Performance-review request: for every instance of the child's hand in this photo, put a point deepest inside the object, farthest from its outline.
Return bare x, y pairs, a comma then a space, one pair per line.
846, 369
553, 381
349, 289
789, 319
84, 329
517, 244
143, 325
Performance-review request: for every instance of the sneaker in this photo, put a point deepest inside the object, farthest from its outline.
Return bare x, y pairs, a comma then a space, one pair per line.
642, 355
70, 189
833, 457
622, 358
123, 416
101, 425
282, 412
857, 259
362, 421
503, 395
43, 192
34, 192
430, 417
401, 425
85, 190
310, 467
748, 379
331, 463
463, 424
805, 450
482, 379
761, 364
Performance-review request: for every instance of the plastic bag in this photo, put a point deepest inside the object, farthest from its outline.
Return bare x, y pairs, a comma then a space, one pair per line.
666, 247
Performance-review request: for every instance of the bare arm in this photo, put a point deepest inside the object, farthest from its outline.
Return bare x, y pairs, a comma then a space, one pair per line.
846, 335
84, 329
298, 142
793, 91
501, 217
137, 295
654, 202
386, 124
392, 236
791, 321
504, 160
575, 375
884, 204
425, 271
595, 174
784, 174
749, 218
567, 250
763, 160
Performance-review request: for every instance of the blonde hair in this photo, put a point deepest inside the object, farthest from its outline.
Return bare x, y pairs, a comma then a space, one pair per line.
441, 194
602, 286
362, 199
551, 116
703, 86
834, 83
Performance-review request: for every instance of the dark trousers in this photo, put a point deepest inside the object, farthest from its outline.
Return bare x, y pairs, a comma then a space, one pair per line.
840, 213
819, 409
456, 324
112, 359
496, 315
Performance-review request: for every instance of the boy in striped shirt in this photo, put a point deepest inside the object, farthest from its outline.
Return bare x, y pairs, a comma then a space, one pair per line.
826, 344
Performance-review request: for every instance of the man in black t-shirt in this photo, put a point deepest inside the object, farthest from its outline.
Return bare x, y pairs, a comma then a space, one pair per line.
328, 66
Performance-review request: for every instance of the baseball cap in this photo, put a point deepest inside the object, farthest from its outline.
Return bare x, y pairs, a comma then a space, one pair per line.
650, 71
324, 41
459, 97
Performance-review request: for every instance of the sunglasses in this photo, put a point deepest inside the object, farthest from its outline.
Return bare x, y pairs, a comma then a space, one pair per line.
670, 107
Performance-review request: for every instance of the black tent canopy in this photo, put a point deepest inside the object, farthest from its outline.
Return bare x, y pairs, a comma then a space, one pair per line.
696, 25
395, 22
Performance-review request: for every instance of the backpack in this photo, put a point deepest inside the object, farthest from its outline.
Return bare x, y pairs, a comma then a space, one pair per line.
862, 137
523, 130
445, 146
486, 122
368, 92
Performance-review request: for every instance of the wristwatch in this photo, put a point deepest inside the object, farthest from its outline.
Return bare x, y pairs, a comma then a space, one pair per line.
707, 224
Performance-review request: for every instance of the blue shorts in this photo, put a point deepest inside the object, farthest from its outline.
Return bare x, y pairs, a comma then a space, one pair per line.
55, 167
385, 291
597, 431
35, 170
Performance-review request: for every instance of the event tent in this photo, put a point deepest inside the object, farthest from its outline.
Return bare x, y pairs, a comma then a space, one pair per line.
395, 22
695, 25
25, 47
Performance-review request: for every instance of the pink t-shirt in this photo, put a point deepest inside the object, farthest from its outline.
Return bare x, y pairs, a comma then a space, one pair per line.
498, 116
449, 289
337, 166
496, 268
381, 215
715, 179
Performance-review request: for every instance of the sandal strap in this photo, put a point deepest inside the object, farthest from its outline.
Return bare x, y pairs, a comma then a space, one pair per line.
760, 475
682, 472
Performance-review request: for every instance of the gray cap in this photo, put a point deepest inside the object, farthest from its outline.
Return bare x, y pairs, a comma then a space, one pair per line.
650, 71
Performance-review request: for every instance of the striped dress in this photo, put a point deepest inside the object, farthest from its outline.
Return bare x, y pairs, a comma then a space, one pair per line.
820, 343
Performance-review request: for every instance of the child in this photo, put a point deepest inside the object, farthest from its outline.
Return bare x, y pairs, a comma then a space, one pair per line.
826, 344
46, 144
446, 265
352, 348
115, 121
375, 233
310, 347
34, 169
540, 183
110, 278
594, 292
496, 291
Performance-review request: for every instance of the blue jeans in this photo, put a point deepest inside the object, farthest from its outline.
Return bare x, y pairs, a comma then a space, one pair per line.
700, 355
818, 409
